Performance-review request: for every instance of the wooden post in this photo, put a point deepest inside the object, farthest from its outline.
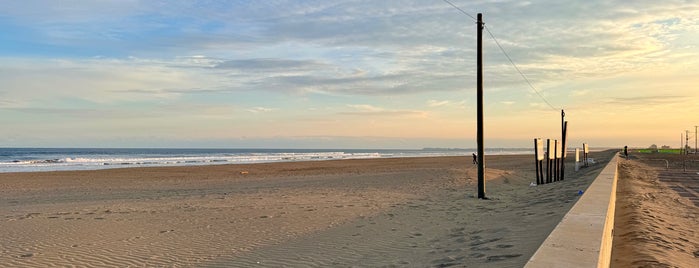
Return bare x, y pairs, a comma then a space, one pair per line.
556, 164
539, 157
536, 160
479, 93
541, 170
549, 155
577, 159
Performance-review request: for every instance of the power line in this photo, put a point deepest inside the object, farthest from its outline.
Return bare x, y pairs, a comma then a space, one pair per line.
517, 68
462, 11
507, 56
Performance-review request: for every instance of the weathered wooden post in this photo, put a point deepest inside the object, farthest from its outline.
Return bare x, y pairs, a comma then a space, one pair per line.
577, 159
538, 158
557, 160
550, 153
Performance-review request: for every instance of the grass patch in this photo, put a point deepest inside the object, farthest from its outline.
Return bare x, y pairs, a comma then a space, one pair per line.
662, 151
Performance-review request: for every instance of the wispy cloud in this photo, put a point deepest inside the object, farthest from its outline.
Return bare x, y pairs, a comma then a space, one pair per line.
256, 110
365, 108
647, 100
436, 103
370, 110
151, 56
270, 64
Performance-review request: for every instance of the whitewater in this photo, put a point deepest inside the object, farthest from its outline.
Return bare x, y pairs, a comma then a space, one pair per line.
59, 159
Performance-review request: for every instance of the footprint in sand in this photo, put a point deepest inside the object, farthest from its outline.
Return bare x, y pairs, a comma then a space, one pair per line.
476, 255
479, 241
448, 261
501, 257
480, 248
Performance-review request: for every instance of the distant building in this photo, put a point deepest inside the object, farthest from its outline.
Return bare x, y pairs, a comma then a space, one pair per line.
665, 147
653, 148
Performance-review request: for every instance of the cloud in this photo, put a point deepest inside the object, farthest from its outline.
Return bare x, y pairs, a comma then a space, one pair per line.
435, 103
580, 92
154, 56
647, 100
370, 110
365, 108
407, 82
256, 110
270, 65
6, 103
99, 81
68, 113
425, 43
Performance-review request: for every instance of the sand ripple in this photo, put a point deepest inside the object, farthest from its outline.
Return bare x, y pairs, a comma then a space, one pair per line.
383, 212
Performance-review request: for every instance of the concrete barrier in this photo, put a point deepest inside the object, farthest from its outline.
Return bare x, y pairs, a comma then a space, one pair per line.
584, 237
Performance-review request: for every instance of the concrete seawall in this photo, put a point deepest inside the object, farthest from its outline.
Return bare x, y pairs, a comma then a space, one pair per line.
584, 237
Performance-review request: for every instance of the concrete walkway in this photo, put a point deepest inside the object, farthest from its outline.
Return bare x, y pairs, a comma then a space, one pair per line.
584, 237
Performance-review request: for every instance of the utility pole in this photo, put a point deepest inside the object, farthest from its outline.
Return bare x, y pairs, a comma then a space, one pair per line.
686, 143
564, 125
695, 140
479, 93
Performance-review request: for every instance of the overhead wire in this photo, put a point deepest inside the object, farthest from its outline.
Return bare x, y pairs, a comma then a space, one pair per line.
462, 11
518, 70
506, 55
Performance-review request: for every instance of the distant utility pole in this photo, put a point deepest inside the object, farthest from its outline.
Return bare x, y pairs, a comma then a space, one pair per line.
686, 143
695, 139
479, 93
681, 142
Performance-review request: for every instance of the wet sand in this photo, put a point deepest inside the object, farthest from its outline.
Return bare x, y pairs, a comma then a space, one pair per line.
374, 212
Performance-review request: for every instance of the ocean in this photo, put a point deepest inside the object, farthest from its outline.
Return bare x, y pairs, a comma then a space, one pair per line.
57, 159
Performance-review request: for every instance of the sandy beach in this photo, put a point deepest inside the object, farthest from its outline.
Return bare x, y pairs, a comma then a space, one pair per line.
657, 213
403, 212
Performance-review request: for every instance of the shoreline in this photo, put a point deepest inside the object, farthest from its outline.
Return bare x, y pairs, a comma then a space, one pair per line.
391, 211
67, 159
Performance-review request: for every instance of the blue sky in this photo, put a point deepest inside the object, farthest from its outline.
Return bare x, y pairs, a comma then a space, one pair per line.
343, 74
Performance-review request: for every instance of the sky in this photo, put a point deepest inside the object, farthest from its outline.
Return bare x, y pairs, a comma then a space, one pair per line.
345, 74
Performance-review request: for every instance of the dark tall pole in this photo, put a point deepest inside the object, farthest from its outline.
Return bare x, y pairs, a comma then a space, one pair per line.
686, 143
563, 144
479, 92
565, 137
536, 161
555, 160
